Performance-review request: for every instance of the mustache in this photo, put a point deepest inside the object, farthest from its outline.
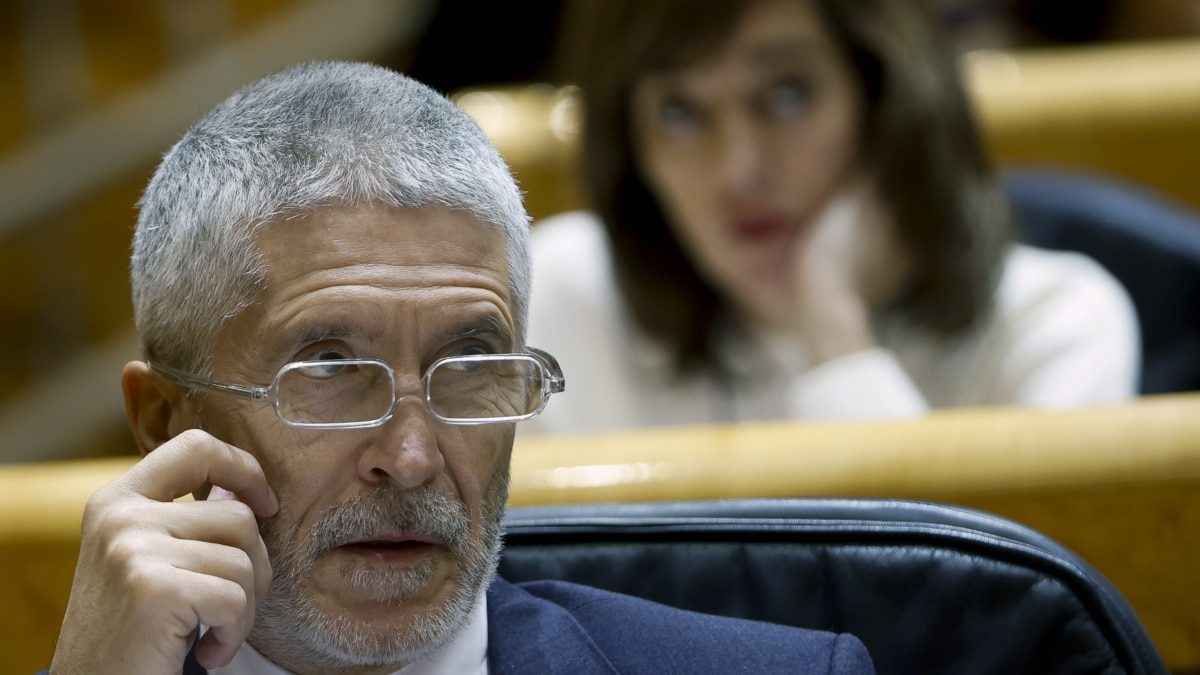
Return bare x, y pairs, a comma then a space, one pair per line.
422, 512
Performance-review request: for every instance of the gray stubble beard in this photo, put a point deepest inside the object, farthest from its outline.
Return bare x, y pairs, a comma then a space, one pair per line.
290, 629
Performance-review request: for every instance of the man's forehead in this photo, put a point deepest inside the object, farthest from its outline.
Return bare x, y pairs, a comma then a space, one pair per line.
380, 327
383, 244
366, 271
305, 229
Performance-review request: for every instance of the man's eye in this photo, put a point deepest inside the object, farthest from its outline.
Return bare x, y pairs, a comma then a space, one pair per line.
323, 353
324, 370
327, 355
475, 349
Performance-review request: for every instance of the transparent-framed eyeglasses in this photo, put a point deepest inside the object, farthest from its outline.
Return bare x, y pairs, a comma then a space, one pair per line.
361, 393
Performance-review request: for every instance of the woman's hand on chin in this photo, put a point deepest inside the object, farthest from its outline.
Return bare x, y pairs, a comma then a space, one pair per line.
848, 263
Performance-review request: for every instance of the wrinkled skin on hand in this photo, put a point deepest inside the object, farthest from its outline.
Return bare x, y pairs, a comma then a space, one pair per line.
151, 569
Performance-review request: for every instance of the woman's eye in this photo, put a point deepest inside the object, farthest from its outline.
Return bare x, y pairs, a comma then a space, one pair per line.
678, 115
788, 98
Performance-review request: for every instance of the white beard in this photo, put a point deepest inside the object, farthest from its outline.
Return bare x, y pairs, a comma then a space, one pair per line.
290, 628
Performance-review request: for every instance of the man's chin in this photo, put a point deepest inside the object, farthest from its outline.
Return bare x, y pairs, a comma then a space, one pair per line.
363, 614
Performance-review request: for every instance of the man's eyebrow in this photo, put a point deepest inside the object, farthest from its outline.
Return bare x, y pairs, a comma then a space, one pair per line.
310, 334
488, 325
324, 331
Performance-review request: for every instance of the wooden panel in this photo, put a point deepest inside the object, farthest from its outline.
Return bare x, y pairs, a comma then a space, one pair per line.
535, 128
1119, 485
40, 510
12, 114
1131, 110
949, 452
64, 278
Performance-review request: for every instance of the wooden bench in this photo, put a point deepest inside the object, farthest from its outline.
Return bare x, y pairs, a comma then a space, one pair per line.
1119, 485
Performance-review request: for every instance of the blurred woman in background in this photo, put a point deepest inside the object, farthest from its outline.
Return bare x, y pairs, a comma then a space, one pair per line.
793, 216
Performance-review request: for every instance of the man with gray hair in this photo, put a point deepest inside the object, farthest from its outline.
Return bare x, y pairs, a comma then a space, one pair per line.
331, 278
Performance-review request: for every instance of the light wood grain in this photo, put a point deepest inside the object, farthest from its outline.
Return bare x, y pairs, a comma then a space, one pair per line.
1119, 485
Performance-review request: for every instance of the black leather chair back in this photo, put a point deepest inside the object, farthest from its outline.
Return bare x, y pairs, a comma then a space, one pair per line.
929, 588
1150, 243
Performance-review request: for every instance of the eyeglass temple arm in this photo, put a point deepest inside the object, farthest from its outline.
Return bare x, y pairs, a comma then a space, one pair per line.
189, 379
557, 381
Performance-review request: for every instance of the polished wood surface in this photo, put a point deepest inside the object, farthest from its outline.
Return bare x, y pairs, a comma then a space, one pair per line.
40, 510
950, 453
1119, 485
1129, 110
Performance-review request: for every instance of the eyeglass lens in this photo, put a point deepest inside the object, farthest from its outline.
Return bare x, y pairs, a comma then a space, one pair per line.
461, 388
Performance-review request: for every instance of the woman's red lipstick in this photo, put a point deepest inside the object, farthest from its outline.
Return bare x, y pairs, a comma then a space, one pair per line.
758, 228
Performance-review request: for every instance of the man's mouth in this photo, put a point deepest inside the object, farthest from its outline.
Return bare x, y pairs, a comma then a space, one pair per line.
391, 549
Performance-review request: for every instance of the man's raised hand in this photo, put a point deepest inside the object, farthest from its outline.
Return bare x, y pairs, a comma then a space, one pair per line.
151, 569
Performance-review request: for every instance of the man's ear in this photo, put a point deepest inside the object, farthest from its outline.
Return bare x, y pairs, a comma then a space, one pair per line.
157, 410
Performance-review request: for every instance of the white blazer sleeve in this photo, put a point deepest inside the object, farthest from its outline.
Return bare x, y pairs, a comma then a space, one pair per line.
866, 384
1074, 342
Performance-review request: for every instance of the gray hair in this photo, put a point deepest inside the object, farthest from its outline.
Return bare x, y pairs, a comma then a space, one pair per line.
312, 135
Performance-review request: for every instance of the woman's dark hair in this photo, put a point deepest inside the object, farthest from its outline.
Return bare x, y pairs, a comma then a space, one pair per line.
918, 135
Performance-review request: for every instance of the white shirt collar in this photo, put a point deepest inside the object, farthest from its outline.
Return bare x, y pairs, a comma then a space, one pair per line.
465, 654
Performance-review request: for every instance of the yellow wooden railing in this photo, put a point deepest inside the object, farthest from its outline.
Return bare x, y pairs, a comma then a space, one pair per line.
1119, 485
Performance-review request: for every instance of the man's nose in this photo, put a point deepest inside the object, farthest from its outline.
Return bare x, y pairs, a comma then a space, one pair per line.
405, 450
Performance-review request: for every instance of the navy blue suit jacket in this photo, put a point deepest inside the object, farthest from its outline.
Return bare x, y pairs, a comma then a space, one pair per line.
554, 627
558, 627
